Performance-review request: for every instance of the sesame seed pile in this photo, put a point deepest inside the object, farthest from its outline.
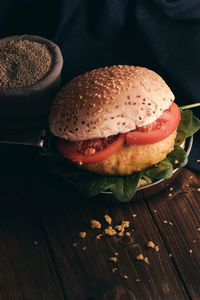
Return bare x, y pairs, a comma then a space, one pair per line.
23, 63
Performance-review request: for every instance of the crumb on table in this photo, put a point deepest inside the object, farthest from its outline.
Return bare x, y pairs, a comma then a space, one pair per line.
110, 231
108, 219
94, 224
150, 244
82, 234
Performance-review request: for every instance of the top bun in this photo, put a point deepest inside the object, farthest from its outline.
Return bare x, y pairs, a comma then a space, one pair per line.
108, 101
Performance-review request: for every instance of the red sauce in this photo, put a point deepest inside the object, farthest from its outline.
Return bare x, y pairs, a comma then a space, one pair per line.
93, 145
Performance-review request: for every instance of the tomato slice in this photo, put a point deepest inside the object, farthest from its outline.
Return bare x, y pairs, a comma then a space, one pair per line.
156, 131
71, 151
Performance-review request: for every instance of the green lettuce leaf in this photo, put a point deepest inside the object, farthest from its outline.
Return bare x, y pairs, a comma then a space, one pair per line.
91, 187
180, 137
188, 126
125, 187
162, 170
194, 126
178, 157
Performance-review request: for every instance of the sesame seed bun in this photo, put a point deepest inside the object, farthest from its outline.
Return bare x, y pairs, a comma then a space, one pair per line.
108, 101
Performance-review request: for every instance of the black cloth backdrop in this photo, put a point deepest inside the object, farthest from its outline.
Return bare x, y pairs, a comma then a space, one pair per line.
162, 35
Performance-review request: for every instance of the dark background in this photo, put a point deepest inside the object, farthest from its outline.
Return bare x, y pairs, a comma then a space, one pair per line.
162, 35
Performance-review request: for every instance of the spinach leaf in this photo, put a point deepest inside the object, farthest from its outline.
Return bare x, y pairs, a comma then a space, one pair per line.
162, 170
92, 186
175, 159
194, 126
180, 137
125, 187
188, 125
186, 120
178, 157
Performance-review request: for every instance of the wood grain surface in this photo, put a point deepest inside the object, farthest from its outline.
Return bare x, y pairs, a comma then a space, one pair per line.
43, 257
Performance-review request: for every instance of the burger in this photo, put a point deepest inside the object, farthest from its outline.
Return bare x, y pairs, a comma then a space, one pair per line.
117, 121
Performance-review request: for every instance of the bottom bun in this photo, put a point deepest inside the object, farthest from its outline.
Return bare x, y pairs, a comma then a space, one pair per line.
133, 158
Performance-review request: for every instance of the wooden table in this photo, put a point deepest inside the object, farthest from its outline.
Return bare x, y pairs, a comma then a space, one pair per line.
43, 257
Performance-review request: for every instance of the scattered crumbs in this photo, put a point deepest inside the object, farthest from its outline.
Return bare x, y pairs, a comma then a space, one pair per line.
146, 260
170, 223
82, 235
98, 237
198, 229
95, 224
198, 189
170, 195
134, 215
110, 231
35, 243
176, 161
114, 270
124, 224
150, 244
156, 248
198, 160
74, 244
84, 248
190, 250
114, 259
171, 188
121, 233
155, 211
125, 277
128, 233
140, 257
170, 255
165, 221
137, 280
108, 219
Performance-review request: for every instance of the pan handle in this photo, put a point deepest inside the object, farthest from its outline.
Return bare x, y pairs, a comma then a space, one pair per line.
24, 137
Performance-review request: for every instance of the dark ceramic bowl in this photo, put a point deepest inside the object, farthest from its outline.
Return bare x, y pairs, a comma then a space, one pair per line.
28, 107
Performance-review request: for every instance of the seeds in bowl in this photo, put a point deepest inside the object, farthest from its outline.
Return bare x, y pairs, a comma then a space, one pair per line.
23, 63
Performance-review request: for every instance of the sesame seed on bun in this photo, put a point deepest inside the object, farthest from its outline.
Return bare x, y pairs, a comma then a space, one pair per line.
108, 101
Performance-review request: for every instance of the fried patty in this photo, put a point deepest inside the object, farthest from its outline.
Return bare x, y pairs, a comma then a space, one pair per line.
133, 158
